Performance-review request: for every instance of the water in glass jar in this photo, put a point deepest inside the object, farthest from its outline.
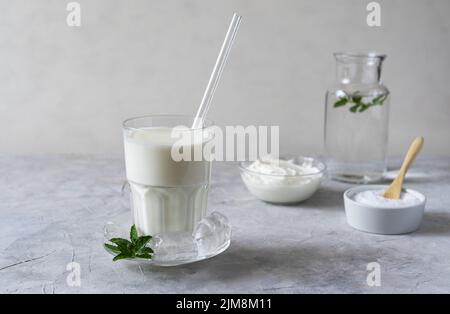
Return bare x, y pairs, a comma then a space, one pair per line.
356, 135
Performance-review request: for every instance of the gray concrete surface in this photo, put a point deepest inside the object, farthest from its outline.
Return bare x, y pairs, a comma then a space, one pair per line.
53, 208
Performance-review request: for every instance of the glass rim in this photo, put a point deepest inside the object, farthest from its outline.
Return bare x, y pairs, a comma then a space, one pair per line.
369, 54
207, 122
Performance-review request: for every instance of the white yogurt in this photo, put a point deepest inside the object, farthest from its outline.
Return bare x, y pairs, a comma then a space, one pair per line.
282, 168
375, 198
282, 181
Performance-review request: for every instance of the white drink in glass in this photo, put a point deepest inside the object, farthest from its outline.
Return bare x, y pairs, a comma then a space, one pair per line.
166, 195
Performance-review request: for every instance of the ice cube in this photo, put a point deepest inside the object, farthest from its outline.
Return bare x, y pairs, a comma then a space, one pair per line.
211, 234
173, 246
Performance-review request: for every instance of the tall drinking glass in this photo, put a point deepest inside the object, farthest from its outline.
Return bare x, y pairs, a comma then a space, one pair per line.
167, 194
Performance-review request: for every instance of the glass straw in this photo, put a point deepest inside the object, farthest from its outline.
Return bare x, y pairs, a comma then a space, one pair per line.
217, 71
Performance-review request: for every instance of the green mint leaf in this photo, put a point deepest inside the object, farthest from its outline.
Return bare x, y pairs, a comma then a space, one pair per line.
356, 99
120, 241
136, 248
354, 108
132, 249
142, 241
112, 248
364, 107
146, 256
123, 244
379, 99
121, 256
341, 102
133, 234
144, 250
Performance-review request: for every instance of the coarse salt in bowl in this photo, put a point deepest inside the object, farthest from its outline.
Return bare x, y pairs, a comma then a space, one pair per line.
367, 210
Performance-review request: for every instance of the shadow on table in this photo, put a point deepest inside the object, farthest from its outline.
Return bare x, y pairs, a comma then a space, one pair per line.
302, 263
435, 223
325, 198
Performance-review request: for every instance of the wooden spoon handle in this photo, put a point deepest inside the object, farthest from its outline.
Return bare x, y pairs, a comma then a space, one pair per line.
395, 189
413, 150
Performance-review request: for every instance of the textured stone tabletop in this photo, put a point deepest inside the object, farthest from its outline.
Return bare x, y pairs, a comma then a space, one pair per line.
53, 208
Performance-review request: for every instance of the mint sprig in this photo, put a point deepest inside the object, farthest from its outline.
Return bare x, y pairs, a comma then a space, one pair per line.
357, 105
136, 247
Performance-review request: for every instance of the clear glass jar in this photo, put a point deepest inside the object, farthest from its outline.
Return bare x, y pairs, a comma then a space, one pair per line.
356, 119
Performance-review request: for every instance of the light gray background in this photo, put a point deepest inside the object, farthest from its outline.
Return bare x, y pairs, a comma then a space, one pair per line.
66, 90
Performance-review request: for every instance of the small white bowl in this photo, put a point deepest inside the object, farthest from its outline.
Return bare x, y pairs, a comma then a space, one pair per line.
284, 189
382, 220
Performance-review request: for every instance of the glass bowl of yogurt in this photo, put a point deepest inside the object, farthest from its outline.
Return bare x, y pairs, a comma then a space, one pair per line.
285, 180
368, 210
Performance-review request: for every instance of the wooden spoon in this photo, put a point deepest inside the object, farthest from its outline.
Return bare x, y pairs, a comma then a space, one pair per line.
394, 190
